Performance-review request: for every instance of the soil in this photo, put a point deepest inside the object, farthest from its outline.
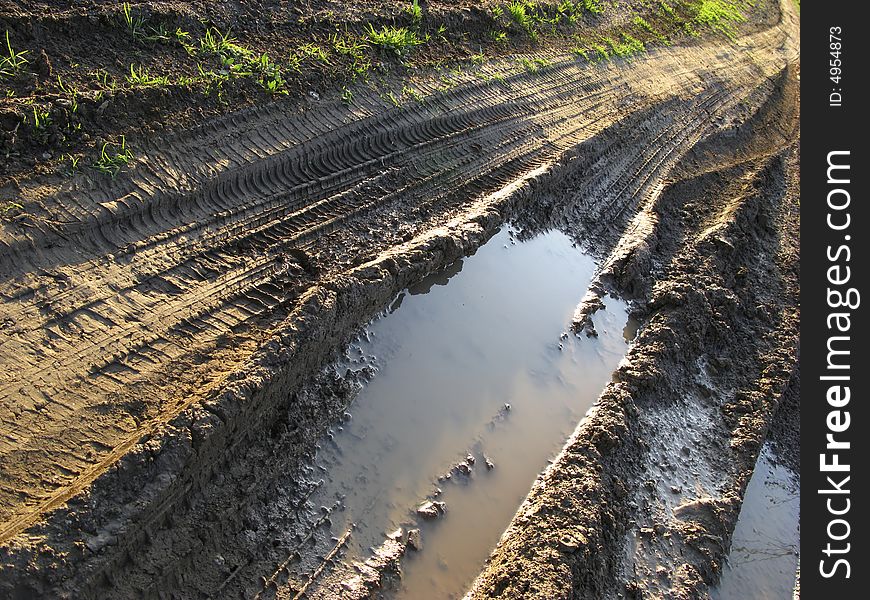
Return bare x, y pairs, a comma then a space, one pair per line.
164, 331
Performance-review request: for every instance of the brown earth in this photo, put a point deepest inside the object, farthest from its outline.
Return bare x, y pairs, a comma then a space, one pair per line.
157, 326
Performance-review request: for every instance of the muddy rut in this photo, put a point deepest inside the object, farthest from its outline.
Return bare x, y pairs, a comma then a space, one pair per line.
155, 324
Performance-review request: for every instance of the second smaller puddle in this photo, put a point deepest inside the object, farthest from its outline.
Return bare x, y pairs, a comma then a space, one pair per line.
766, 541
479, 366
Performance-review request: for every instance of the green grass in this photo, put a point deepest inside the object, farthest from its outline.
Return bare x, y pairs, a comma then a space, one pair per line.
105, 82
353, 48
268, 75
347, 45
534, 65
68, 90
605, 48
667, 9
41, 119
241, 62
399, 40
498, 36
13, 63
628, 46
135, 25
395, 100
313, 51
346, 96
568, 11
113, 157
531, 17
73, 162
294, 63
10, 208
719, 15
213, 82
601, 52
582, 52
162, 33
593, 6
643, 24
412, 93
646, 28
519, 14
215, 42
141, 78
415, 12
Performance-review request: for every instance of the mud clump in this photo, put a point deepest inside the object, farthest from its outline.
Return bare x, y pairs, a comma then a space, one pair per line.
414, 540
431, 510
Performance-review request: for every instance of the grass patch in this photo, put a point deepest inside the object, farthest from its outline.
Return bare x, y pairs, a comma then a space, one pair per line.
354, 49
498, 36
642, 23
313, 51
162, 33
394, 99
13, 63
593, 7
568, 11
415, 12
605, 48
41, 119
105, 83
534, 65
73, 163
399, 40
627, 47
10, 209
519, 14
533, 18
347, 45
581, 52
668, 10
135, 24
141, 78
719, 15
412, 93
213, 82
113, 157
240, 62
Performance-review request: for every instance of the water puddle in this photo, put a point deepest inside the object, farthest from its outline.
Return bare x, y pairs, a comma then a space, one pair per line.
479, 372
764, 549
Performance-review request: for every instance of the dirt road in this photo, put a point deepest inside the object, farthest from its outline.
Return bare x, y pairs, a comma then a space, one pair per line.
154, 324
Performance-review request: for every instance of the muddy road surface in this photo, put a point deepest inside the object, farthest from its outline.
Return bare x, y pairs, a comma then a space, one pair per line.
169, 337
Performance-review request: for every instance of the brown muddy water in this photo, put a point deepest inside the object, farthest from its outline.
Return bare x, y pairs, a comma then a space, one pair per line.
475, 361
764, 549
